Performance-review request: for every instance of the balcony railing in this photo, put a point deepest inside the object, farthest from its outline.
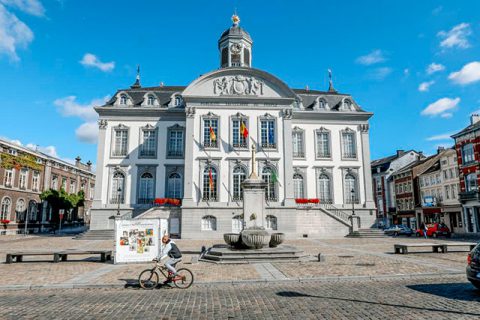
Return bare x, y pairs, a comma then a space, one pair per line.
209, 198
237, 198
175, 153
269, 145
241, 145
299, 154
349, 155
145, 201
468, 195
210, 144
116, 200
119, 153
147, 153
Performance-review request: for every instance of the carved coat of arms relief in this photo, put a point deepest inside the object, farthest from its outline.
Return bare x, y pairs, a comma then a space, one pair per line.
238, 85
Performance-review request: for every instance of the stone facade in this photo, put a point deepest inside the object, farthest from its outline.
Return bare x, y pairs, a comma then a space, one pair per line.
193, 143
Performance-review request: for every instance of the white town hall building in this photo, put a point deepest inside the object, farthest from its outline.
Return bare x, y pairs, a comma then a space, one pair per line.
194, 143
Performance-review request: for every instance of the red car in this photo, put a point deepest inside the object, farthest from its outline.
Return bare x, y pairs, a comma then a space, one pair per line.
435, 230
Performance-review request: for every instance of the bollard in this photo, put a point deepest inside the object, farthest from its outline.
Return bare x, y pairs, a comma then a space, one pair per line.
321, 258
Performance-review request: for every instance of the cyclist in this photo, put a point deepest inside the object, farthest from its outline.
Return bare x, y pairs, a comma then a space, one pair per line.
171, 251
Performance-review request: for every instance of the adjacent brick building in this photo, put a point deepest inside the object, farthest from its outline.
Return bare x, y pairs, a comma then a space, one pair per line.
25, 174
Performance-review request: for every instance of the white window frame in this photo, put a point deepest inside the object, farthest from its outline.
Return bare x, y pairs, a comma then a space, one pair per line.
209, 223
318, 148
120, 145
298, 146
349, 148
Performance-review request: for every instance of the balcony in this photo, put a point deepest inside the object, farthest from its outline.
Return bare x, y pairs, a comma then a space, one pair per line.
241, 145
269, 145
210, 144
468, 195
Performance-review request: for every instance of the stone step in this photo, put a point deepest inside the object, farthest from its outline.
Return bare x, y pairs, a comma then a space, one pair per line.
96, 235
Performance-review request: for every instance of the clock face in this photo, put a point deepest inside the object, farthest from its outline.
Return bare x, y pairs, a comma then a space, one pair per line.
236, 48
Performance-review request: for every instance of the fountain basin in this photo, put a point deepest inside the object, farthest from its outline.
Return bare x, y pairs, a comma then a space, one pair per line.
276, 239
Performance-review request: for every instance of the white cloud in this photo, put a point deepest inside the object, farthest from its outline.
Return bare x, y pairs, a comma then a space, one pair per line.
50, 150
425, 86
14, 34
468, 74
87, 132
91, 60
69, 107
33, 7
376, 56
446, 115
440, 137
379, 73
442, 107
435, 67
456, 37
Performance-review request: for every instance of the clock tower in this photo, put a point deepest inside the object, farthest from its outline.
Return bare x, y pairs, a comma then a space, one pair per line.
235, 46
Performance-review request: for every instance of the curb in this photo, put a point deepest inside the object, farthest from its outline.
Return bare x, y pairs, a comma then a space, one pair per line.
241, 282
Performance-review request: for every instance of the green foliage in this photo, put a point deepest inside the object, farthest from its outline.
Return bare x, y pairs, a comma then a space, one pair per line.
63, 200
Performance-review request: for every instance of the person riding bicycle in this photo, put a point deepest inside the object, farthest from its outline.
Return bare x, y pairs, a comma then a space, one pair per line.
171, 251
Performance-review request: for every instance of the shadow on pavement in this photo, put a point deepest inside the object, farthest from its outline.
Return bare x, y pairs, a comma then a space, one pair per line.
133, 284
456, 291
294, 294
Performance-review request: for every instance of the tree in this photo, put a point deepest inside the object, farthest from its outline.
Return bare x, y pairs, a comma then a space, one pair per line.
62, 200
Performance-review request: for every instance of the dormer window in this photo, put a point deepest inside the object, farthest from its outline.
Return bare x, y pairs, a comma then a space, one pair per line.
178, 101
123, 99
151, 100
347, 105
322, 104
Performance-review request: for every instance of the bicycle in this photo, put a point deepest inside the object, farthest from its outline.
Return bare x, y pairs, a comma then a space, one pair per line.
149, 278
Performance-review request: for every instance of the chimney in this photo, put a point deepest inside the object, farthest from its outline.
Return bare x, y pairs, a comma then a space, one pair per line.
400, 153
77, 161
440, 149
474, 118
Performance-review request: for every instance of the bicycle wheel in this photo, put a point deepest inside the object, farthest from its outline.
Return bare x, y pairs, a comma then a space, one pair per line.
184, 278
148, 279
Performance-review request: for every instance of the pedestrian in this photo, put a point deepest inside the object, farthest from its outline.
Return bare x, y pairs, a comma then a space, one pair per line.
425, 229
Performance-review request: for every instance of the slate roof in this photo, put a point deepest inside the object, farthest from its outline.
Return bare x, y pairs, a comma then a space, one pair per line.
236, 32
470, 128
163, 94
333, 99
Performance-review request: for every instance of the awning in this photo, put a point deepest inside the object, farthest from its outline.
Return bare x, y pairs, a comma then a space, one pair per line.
432, 210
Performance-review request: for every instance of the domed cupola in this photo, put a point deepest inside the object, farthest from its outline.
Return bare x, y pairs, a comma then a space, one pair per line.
235, 46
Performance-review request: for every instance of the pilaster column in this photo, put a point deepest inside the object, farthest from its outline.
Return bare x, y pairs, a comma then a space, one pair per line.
189, 147
367, 169
99, 186
288, 158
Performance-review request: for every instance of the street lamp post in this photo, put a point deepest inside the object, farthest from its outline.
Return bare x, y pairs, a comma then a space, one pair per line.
353, 202
26, 217
118, 200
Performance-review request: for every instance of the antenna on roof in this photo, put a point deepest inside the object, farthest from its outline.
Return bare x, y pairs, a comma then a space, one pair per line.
137, 79
330, 82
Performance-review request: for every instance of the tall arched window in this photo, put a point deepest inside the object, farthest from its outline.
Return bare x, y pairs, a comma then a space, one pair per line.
123, 99
351, 192
298, 190
239, 175
271, 222
209, 223
210, 184
246, 57
21, 209
269, 176
118, 188
471, 183
224, 57
32, 211
175, 186
324, 190
5, 208
146, 191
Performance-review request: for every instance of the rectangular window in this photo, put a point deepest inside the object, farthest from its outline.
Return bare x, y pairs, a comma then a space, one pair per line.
450, 171
35, 181
349, 150
120, 147
323, 144
175, 143
421, 181
447, 192
64, 183
91, 191
23, 179
210, 133
445, 176
55, 182
468, 153
454, 191
239, 137
7, 181
149, 143
72, 186
297, 140
267, 130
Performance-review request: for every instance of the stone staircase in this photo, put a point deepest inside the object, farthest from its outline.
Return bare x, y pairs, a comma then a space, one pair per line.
224, 255
336, 213
96, 235
367, 233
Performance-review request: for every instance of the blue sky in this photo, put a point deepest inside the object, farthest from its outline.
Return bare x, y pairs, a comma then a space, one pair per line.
415, 64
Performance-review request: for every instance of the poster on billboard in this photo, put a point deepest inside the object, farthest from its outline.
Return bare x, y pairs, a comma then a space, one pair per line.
138, 240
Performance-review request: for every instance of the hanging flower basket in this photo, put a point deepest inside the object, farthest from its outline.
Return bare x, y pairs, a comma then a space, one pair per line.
314, 200
301, 200
5, 222
167, 201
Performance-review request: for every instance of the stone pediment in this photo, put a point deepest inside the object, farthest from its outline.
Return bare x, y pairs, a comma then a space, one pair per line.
237, 83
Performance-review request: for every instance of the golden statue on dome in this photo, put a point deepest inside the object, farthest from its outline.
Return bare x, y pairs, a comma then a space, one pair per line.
235, 19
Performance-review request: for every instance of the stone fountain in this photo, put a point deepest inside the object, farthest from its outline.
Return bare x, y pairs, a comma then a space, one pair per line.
254, 242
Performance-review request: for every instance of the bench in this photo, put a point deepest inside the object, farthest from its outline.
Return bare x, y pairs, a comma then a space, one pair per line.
403, 248
104, 254
436, 247
57, 255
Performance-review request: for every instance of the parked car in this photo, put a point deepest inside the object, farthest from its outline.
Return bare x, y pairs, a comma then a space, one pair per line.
473, 266
435, 230
399, 229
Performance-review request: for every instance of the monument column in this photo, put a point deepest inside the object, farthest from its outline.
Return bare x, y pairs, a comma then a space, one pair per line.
253, 198
188, 171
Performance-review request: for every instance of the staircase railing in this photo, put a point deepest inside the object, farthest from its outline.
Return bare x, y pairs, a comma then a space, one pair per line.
338, 213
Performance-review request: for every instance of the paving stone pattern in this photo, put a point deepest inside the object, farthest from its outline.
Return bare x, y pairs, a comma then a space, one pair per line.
431, 298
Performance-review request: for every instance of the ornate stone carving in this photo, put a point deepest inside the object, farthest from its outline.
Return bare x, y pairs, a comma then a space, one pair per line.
102, 124
238, 85
190, 111
363, 127
287, 114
